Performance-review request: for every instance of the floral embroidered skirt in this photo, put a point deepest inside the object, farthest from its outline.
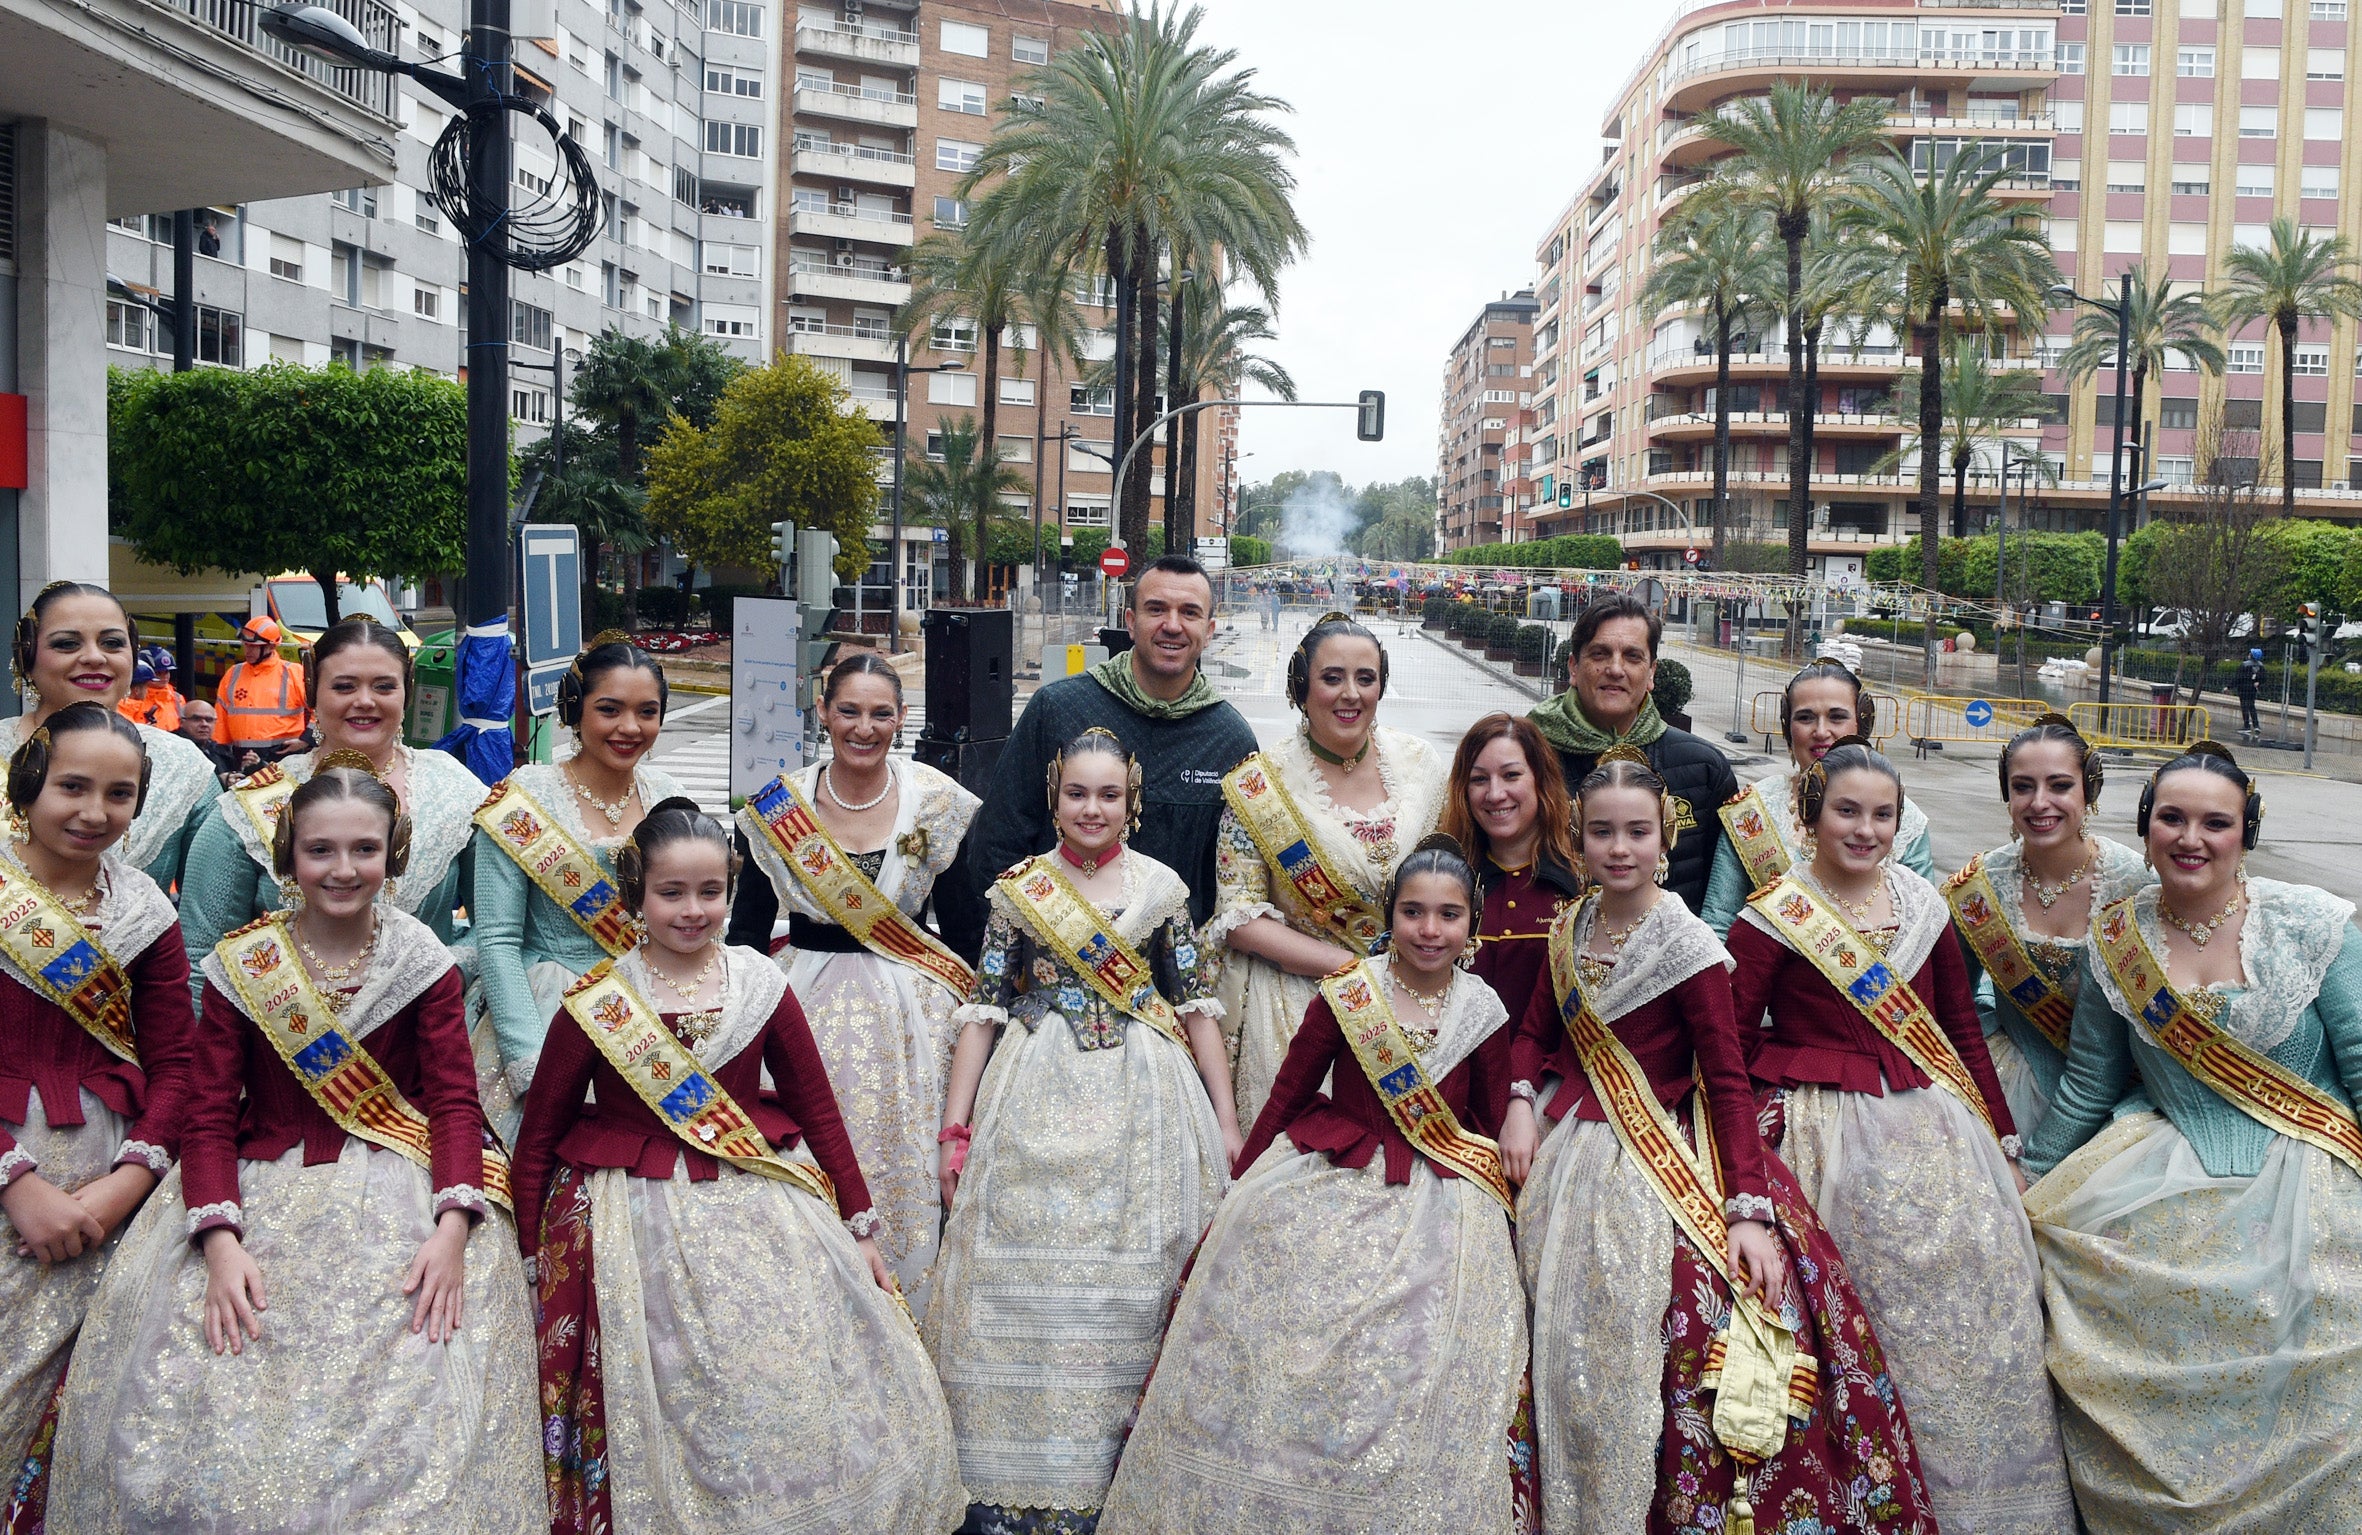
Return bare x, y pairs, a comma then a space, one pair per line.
339, 1416
1624, 1310
715, 1354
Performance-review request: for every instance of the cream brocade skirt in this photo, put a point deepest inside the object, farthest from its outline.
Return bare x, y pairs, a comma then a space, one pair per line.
1345, 1358
2206, 1335
1091, 1177
44, 1303
339, 1417
1263, 1006
2028, 1104
1919, 1199
756, 1377
885, 1034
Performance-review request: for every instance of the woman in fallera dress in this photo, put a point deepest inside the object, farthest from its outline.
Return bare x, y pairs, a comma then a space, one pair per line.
1082, 1164
852, 849
1884, 1104
2024, 909
322, 1315
546, 907
1821, 705
2201, 1218
1508, 807
1656, 1225
1310, 833
718, 1346
1347, 1353
94, 1054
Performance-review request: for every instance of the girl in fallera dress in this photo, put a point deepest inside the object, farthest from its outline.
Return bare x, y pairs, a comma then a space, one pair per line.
862, 839
1347, 1353
2024, 909
94, 1054
1652, 1154
322, 1314
1082, 1164
545, 907
1355, 794
720, 1338
2200, 1219
1508, 807
1883, 1102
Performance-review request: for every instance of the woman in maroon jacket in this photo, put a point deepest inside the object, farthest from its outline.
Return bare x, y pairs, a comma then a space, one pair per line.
1347, 1352
305, 1323
1508, 807
1885, 1104
1654, 1209
717, 1345
92, 1088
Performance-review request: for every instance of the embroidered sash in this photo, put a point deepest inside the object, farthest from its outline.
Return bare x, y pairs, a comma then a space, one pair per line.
345, 1080
1067, 923
59, 958
1276, 826
1755, 837
671, 1080
1985, 927
1359, 1000
559, 865
1855, 967
1763, 1379
2251, 1081
851, 899
263, 797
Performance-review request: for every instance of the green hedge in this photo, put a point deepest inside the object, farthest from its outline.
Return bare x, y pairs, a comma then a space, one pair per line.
1533, 645
1569, 551
1249, 551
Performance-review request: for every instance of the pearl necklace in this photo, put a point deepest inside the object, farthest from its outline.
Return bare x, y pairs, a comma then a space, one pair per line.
2200, 932
614, 810
2051, 895
828, 786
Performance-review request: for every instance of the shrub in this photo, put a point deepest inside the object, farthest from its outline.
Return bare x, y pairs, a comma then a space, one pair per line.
1245, 550
1533, 645
719, 600
665, 607
1674, 687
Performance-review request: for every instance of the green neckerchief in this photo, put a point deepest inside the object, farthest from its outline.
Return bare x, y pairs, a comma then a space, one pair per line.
1563, 725
1115, 675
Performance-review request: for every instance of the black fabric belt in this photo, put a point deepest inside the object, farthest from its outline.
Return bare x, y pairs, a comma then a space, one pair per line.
821, 937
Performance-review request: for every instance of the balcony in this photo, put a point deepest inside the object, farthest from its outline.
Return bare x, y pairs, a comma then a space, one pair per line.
854, 343
1695, 84
859, 284
858, 43
1694, 426
858, 104
849, 221
853, 162
367, 88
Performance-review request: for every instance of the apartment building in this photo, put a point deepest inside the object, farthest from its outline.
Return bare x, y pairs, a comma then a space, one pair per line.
1487, 397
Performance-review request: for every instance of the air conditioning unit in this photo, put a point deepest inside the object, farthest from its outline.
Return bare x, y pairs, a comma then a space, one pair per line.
852, 9
845, 260
844, 248
847, 194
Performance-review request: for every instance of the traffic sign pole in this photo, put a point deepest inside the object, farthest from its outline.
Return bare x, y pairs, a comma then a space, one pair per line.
1114, 564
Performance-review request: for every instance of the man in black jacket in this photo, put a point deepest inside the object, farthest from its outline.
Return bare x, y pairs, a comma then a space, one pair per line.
1612, 666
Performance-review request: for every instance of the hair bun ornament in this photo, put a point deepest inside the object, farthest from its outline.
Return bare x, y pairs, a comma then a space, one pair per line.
1624, 751
1441, 841
2053, 717
346, 757
1332, 616
1851, 740
2207, 746
608, 637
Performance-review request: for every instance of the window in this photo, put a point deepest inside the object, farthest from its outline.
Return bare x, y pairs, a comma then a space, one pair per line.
732, 260
2193, 120
1082, 401
2066, 175
2132, 7
953, 335
2243, 357
1017, 391
2325, 64
964, 96
2121, 239
1020, 102
2192, 181
2177, 414
1016, 450
426, 302
1036, 50
951, 389
684, 186
2258, 10
221, 337
2185, 239
2068, 115
2320, 181
2128, 117
734, 81
361, 200
2324, 123
2070, 58
529, 325
2176, 470
529, 405
1086, 514
2259, 64
953, 155
730, 320
951, 213
2259, 122
2127, 176
2253, 181
2312, 362
968, 41
128, 325
744, 140
2329, 10
610, 285
2073, 8
614, 79
735, 17
286, 258
2194, 63
2131, 59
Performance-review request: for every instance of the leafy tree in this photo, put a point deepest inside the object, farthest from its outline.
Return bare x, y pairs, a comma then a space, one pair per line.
1249, 551
2295, 277
2161, 324
783, 447
1982, 407
2218, 560
962, 492
289, 468
1716, 255
591, 494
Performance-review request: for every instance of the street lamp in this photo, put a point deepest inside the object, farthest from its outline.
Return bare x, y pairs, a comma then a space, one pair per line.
902, 373
2122, 310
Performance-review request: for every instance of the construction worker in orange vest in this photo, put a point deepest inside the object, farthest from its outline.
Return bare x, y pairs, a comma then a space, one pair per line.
259, 708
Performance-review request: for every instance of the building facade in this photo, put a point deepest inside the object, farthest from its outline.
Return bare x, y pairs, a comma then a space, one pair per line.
1488, 400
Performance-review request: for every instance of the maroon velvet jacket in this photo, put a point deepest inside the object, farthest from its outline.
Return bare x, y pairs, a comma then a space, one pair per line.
619, 1130
1350, 1126
1513, 930
1819, 1037
423, 1048
1666, 1034
43, 1049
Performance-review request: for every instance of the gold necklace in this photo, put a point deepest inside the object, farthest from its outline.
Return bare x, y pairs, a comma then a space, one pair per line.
2051, 895
686, 994
614, 810
336, 977
1859, 911
2200, 932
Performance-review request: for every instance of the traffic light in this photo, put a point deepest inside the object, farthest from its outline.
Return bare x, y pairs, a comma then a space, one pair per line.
2308, 629
1566, 493
783, 543
1372, 425
816, 574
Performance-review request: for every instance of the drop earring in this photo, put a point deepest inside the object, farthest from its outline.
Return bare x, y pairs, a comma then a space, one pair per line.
1664, 867
1468, 955
290, 893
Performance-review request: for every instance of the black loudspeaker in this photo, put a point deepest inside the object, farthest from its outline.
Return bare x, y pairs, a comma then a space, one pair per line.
971, 762
971, 673
1117, 640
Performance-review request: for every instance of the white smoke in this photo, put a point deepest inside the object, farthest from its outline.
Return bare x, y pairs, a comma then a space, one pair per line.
1316, 519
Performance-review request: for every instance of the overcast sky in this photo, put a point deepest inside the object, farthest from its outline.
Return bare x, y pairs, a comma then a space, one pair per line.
1436, 144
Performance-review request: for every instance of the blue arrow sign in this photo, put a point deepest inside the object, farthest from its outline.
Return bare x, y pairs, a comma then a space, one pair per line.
1978, 713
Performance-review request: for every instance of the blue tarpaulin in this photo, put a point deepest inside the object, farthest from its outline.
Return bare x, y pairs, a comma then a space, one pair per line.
487, 702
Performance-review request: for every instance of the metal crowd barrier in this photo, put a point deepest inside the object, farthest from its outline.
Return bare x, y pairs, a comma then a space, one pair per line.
1763, 717
1938, 717
2142, 726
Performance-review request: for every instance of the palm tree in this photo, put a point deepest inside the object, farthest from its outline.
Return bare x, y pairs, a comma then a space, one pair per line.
1142, 144
1982, 408
965, 479
1927, 248
632, 386
591, 494
1213, 354
1793, 152
1714, 255
2162, 323
955, 278
2299, 276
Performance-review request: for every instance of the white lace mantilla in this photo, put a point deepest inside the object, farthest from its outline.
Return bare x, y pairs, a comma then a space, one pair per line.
132, 911
2291, 935
553, 791
1471, 1012
1779, 796
752, 987
443, 800
1671, 944
2119, 873
408, 959
180, 778
1921, 917
931, 808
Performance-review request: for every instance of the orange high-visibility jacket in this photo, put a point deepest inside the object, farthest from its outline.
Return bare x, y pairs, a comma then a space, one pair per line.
157, 704
259, 705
